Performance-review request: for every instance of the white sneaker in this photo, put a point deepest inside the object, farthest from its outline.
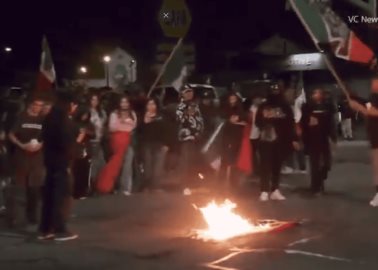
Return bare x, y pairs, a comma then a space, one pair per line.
287, 170
277, 196
264, 197
374, 202
127, 193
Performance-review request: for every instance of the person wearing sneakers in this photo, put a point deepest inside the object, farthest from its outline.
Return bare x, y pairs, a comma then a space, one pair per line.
190, 129
370, 111
27, 165
60, 136
275, 120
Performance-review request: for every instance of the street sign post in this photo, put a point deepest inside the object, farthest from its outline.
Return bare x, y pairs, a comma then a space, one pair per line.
174, 18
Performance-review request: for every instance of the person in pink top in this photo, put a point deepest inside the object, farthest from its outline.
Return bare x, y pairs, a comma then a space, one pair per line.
121, 123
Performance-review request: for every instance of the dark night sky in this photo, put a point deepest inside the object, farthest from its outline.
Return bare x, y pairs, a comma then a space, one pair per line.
80, 32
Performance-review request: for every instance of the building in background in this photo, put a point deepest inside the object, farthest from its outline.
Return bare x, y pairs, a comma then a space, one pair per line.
118, 73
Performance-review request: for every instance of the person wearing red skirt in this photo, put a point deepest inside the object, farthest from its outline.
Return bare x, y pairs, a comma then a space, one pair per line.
121, 124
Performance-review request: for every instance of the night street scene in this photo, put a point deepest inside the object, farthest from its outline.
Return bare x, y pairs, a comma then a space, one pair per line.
189, 134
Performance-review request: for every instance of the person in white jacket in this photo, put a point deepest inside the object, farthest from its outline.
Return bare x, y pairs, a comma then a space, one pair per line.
297, 156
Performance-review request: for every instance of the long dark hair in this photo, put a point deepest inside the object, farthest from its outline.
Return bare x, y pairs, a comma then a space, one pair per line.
98, 109
156, 101
228, 110
130, 110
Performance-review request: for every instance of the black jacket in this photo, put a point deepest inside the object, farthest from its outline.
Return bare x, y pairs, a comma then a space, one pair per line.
282, 122
317, 136
59, 135
155, 132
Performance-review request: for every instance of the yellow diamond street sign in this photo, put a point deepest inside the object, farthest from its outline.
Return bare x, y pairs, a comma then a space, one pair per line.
174, 18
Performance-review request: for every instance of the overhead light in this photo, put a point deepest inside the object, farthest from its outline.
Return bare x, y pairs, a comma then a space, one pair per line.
83, 69
107, 59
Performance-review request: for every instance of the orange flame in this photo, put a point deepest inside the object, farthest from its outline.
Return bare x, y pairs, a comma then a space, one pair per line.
224, 224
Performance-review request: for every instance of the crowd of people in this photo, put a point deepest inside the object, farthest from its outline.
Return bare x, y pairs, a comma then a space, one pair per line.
70, 147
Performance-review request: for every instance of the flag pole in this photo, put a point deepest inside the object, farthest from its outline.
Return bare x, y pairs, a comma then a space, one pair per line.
164, 67
326, 59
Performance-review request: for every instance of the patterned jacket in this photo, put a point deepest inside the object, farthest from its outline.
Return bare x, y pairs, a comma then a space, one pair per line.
190, 121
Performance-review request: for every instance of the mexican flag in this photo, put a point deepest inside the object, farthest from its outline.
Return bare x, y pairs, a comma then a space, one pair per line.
46, 76
176, 70
327, 28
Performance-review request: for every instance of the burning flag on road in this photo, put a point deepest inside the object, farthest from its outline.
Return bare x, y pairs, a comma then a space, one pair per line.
223, 223
46, 76
327, 28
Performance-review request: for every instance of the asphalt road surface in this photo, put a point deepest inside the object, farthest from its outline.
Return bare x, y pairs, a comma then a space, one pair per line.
152, 231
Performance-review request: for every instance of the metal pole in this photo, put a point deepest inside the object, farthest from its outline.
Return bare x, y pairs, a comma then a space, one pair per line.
107, 74
163, 68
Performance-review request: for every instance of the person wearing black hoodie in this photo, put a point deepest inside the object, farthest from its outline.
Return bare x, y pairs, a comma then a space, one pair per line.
318, 128
60, 136
275, 120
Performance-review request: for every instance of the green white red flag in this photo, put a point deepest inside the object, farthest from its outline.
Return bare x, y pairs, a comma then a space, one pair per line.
327, 28
46, 76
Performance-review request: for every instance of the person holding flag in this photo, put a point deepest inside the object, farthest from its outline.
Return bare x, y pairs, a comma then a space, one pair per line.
236, 149
329, 32
370, 111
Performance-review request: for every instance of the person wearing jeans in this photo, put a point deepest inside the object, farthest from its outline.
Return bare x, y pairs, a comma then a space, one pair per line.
154, 144
318, 130
27, 163
126, 176
122, 122
255, 135
275, 120
98, 119
190, 129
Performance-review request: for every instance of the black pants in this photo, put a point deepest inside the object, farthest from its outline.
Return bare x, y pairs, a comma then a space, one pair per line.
272, 157
255, 156
22, 204
188, 163
154, 162
320, 163
80, 171
56, 201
